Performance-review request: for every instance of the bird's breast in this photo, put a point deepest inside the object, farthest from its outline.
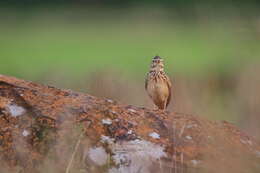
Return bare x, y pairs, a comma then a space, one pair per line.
158, 89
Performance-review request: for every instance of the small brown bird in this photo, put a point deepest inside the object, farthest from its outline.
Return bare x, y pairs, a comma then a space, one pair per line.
158, 84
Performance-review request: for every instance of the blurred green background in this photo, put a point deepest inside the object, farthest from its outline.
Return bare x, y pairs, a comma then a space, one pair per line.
211, 51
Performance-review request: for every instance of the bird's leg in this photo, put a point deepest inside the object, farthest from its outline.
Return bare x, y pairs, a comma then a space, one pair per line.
165, 105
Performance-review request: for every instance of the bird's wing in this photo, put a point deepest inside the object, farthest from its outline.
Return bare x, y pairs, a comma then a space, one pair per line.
169, 84
146, 80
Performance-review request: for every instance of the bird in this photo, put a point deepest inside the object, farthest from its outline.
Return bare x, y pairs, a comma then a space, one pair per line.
158, 84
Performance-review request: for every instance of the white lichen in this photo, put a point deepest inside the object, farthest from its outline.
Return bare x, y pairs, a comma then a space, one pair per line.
25, 133
107, 121
132, 110
246, 141
113, 112
109, 100
188, 137
98, 155
195, 162
107, 139
130, 132
15, 110
135, 156
154, 135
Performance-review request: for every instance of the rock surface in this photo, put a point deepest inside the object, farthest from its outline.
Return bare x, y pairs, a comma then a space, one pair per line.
40, 127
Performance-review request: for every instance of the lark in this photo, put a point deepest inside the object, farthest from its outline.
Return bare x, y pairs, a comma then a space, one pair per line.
158, 84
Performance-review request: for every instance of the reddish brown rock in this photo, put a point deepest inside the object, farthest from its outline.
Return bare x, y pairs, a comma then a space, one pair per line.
44, 129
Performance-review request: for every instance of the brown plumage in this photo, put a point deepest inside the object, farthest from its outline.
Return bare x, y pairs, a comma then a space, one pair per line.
158, 84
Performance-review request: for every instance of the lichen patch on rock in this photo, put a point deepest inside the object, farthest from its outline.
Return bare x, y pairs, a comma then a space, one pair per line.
107, 121
154, 135
98, 155
136, 155
25, 133
15, 110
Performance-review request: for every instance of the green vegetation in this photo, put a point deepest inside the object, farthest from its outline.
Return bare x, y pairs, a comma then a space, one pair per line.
36, 44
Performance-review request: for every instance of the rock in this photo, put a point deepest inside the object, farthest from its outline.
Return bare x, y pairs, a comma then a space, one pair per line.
40, 127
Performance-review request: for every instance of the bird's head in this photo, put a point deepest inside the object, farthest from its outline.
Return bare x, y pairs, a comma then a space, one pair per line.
157, 64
